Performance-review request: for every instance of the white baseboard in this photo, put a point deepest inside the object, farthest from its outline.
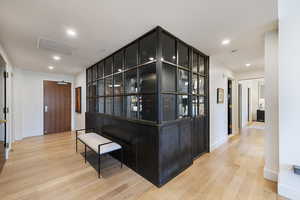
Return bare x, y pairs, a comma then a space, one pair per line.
270, 175
218, 143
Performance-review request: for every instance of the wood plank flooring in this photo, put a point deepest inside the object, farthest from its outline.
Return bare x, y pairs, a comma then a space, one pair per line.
47, 167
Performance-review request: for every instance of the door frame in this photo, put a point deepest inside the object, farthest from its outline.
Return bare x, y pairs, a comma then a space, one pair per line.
228, 107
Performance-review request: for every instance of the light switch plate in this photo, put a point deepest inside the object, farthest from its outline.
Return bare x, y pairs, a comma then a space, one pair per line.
297, 169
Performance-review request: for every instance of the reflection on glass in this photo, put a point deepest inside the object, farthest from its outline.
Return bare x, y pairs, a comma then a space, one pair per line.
168, 48
169, 107
118, 85
109, 105
92, 105
148, 48
183, 55
131, 106
183, 81
195, 63
195, 106
147, 107
201, 85
201, 65
131, 55
201, 106
89, 75
93, 90
108, 66
109, 86
101, 105
194, 84
183, 106
118, 106
100, 69
147, 76
168, 78
118, 62
94, 72
100, 86
131, 81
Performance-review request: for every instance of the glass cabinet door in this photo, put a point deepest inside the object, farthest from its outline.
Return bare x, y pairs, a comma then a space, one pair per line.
148, 48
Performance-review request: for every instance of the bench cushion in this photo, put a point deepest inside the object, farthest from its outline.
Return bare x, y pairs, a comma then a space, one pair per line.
127, 135
93, 140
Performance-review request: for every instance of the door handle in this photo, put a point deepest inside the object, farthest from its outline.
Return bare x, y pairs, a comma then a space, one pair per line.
46, 108
2, 121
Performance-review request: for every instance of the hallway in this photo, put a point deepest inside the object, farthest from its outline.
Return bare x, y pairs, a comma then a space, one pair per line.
50, 169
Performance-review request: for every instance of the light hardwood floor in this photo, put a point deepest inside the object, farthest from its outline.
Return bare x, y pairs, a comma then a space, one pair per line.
47, 167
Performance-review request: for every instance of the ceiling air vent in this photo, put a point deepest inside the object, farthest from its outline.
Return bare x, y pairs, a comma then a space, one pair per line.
54, 46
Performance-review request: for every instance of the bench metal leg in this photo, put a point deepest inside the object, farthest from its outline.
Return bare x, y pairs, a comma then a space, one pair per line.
76, 145
85, 153
99, 176
122, 157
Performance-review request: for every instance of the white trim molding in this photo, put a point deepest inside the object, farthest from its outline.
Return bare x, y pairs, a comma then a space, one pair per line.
270, 174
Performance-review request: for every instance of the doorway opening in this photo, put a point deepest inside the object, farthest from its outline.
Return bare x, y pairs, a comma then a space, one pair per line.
57, 107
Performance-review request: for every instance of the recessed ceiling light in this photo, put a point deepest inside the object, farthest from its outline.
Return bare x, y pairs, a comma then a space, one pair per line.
51, 67
71, 32
248, 65
226, 42
56, 57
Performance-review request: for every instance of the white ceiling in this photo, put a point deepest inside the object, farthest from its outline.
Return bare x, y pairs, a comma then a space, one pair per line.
104, 26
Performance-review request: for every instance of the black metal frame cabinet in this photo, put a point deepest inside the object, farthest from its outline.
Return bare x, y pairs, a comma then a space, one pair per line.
159, 86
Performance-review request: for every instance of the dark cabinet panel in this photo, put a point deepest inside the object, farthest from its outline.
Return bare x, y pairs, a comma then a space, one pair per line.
148, 109
131, 55
168, 48
148, 48
183, 54
147, 77
169, 107
168, 78
108, 66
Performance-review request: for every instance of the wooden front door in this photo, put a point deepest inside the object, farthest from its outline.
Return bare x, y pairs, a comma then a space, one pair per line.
57, 107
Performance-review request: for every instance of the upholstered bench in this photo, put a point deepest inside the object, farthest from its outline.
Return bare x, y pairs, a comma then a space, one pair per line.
100, 145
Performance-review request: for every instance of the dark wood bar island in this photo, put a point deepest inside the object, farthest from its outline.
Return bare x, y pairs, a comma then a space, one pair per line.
152, 97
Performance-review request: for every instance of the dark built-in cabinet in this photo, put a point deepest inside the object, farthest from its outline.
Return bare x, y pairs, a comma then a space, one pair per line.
158, 86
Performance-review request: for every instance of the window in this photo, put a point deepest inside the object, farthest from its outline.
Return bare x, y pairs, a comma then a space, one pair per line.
131, 81
201, 85
100, 86
195, 63
131, 107
100, 69
183, 55
109, 105
101, 105
94, 72
195, 106
183, 81
109, 86
89, 75
118, 84
168, 107
201, 65
118, 106
131, 55
148, 48
183, 106
118, 62
147, 75
201, 106
168, 48
195, 84
108, 66
168, 78
148, 107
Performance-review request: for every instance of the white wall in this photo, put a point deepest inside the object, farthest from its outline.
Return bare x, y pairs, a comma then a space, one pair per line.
271, 106
28, 102
289, 108
218, 112
80, 81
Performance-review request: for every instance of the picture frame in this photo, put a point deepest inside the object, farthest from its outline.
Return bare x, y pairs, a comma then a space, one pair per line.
220, 95
78, 99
